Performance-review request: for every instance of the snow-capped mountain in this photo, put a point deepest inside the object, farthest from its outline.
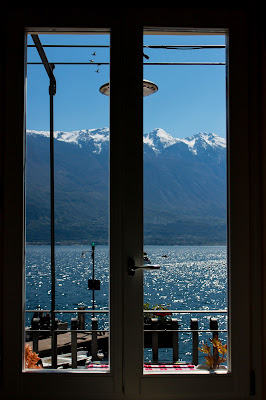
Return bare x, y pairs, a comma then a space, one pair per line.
204, 140
95, 137
184, 187
157, 140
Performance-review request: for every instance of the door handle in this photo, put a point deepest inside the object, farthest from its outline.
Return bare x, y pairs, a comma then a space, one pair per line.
132, 267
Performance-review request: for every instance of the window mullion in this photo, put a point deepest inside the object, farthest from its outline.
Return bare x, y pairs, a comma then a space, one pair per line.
117, 124
132, 93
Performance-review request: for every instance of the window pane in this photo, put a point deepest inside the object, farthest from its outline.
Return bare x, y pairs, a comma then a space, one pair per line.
185, 208
81, 204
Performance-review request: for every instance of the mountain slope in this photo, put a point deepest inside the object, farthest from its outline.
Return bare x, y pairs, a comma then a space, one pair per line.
184, 187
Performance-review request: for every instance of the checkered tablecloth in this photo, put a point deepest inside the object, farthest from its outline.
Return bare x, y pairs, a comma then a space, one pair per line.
167, 368
147, 368
97, 366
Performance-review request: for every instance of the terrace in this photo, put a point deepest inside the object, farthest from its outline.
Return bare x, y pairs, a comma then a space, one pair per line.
78, 347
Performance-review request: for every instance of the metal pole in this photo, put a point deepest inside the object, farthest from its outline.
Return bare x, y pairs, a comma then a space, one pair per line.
93, 299
54, 337
52, 90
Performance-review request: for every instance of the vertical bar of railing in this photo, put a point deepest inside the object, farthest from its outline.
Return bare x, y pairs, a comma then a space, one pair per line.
35, 334
214, 328
94, 344
81, 318
175, 339
155, 344
74, 349
194, 326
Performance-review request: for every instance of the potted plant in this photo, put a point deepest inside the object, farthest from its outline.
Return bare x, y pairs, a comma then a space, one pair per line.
162, 316
31, 358
213, 360
164, 325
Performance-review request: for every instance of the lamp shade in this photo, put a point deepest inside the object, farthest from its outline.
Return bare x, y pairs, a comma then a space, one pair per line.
148, 88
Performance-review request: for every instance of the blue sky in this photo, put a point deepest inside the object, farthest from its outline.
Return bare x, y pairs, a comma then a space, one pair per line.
190, 99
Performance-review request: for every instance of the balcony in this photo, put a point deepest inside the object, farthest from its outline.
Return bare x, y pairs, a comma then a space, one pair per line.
79, 348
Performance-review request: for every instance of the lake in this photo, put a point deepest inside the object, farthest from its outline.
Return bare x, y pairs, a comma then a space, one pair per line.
190, 278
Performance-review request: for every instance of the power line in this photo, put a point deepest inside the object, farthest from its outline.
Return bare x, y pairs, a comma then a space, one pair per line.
169, 47
151, 63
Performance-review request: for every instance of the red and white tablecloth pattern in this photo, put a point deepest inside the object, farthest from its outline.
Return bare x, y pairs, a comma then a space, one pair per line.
167, 368
149, 368
98, 366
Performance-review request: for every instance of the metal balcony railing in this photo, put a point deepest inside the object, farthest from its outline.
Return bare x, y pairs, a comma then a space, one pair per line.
155, 335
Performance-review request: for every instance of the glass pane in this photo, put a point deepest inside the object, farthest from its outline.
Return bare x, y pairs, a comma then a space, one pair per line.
185, 209
80, 284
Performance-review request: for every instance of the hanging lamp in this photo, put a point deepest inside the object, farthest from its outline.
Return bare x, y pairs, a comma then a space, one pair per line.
148, 88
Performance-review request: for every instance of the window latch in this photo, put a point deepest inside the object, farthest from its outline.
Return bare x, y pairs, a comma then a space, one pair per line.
132, 267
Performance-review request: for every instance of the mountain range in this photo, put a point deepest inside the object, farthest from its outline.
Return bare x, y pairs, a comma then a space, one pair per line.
184, 188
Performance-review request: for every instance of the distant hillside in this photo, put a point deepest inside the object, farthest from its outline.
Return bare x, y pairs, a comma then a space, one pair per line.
184, 188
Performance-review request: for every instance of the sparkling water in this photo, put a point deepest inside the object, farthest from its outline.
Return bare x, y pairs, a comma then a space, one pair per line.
190, 278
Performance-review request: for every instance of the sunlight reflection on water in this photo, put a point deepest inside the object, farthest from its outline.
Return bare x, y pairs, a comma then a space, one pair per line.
190, 278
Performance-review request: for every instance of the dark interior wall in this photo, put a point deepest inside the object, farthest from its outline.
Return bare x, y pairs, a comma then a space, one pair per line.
13, 22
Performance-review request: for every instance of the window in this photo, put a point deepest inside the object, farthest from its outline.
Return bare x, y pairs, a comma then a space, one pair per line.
67, 281
184, 196
126, 218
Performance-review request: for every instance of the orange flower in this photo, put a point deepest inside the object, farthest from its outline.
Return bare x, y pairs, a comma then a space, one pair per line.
222, 349
31, 358
209, 360
205, 348
217, 343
